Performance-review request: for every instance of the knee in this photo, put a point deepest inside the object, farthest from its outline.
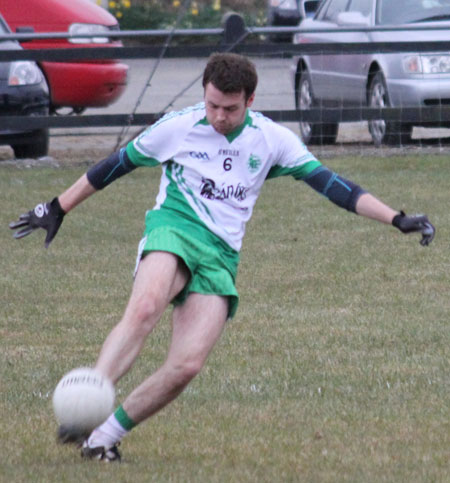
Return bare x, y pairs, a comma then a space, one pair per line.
183, 372
145, 314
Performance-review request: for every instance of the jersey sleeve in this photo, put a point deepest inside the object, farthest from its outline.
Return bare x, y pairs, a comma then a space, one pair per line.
160, 141
291, 157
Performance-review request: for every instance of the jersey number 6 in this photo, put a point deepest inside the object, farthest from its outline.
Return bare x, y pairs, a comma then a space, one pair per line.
227, 164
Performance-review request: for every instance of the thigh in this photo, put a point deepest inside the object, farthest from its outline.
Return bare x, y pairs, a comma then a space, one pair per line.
197, 326
160, 277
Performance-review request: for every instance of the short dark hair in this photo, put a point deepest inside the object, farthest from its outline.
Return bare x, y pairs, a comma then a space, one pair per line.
231, 73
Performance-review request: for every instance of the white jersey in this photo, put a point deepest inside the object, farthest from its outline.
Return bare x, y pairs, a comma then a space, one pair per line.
218, 177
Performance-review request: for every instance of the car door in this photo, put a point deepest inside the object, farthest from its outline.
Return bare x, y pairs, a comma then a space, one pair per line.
323, 66
352, 69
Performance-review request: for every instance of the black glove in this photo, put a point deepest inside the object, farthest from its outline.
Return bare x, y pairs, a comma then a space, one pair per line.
48, 216
420, 223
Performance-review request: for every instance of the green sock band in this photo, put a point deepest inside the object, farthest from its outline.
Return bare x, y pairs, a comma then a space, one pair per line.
124, 420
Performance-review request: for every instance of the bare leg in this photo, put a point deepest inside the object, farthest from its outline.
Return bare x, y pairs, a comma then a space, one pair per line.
197, 325
161, 276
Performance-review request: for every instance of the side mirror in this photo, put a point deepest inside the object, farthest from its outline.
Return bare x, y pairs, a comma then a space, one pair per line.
352, 19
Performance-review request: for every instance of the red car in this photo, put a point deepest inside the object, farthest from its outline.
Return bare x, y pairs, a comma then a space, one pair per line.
72, 84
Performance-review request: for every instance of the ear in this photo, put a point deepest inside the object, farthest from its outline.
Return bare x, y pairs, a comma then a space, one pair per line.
250, 100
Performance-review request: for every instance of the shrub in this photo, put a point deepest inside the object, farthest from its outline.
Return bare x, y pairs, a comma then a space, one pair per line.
152, 14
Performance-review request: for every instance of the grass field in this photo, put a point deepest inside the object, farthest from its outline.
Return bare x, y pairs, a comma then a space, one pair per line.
335, 369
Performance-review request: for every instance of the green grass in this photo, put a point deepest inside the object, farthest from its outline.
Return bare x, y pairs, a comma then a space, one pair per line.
335, 369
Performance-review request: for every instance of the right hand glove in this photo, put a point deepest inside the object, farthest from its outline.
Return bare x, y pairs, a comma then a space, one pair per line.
48, 216
415, 223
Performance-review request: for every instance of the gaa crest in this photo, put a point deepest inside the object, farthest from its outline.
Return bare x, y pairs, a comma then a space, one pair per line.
253, 163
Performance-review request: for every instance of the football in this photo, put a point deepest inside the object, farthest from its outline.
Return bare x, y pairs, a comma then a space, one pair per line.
83, 399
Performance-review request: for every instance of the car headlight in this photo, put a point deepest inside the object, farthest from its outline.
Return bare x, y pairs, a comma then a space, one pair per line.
427, 64
91, 31
22, 73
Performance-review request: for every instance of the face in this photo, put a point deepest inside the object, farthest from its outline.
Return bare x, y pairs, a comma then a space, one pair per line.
225, 112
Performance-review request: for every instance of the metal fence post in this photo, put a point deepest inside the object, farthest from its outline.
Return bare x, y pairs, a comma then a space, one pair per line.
233, 28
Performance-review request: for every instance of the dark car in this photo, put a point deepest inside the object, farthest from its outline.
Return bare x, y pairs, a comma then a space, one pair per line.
23, 92
288, 13
373, 79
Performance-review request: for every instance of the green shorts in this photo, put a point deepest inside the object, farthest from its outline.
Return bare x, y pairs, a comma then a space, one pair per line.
211, 262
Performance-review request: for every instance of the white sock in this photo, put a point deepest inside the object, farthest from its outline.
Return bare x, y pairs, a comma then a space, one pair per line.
107, 434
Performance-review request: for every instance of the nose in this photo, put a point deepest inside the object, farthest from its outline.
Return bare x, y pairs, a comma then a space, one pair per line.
221, 114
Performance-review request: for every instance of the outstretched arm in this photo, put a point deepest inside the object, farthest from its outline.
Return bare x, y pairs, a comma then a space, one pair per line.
370, 207
352, 197
49, 216
76, 194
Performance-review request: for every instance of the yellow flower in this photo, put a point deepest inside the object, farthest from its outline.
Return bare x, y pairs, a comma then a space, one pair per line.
126, 3
112, 4
119, 14
176, 3
194, 8
216, 5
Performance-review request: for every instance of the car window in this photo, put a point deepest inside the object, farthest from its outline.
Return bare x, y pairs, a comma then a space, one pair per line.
333, 8
363, 6
407, 11
311, 7
321, 9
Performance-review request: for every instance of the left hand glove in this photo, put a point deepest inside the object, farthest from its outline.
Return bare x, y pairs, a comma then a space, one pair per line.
415, 223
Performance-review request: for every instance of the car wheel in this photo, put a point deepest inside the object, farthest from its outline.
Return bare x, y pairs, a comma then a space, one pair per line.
312, 133
385, 132
35, 149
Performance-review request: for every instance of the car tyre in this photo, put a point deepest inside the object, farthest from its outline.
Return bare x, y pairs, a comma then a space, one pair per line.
312, 133
385, 132
35, 149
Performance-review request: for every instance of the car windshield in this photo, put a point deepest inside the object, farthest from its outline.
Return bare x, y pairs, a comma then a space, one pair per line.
3, 29
409, 11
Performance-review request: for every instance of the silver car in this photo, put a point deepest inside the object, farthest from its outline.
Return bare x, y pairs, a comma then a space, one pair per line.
373, 79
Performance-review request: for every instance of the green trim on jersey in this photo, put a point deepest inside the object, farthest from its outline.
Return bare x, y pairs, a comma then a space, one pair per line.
202, 122
139, 159
231, 136
175, 199
298, 172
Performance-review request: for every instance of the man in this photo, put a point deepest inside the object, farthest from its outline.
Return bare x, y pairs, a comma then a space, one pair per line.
215, 157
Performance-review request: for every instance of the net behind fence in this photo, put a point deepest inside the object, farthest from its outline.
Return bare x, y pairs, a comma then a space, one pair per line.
327, 93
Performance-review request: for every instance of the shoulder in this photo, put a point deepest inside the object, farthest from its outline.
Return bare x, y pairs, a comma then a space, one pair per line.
271, 129
160, 141
185, 118
289, 154
281, 141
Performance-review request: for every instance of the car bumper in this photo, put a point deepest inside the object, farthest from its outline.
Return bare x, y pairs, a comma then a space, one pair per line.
22, 101
84, 84
422, 92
